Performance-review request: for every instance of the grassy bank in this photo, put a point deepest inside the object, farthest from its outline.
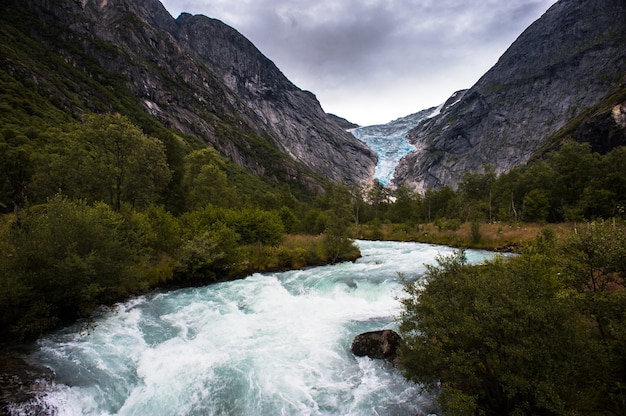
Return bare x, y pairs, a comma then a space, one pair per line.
497, 237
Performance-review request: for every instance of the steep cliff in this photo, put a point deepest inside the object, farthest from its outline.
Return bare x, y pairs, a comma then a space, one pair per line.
565, 62
195, 75
603, 125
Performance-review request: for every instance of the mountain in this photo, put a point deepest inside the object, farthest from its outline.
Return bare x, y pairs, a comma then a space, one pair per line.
389, 141
343, 123
194, 75
563, 65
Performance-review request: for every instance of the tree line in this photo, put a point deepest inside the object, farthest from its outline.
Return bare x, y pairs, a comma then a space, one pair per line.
568, 185
98, 210
106, 210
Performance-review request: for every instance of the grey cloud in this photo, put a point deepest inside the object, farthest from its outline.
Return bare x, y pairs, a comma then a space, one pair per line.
340, 49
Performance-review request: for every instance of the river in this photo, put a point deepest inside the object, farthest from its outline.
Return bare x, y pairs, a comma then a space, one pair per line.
270, 344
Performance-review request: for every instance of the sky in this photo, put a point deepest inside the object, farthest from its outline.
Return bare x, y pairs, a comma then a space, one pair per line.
373, 61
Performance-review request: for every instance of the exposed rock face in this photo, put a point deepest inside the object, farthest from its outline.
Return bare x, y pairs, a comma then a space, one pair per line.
376, 344
563, 63
202, 78
343, 123
604, 131
294, 117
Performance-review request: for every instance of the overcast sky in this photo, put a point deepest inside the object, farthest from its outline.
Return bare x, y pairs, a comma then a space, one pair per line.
372, 61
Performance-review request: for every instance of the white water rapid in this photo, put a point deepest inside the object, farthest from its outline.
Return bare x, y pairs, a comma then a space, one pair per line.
272, 344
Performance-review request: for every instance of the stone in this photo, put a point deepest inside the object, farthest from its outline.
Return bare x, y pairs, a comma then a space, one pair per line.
381, 344
21, 381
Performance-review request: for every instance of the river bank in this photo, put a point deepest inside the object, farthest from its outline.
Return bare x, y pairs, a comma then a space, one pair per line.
20, 380
500, 237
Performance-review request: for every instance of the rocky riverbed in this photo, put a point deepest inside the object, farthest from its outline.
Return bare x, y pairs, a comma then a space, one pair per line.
20, 380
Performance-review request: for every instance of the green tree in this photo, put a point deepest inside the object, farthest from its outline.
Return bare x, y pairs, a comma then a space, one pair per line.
109, 159
476, 190
536, 206
255, 225
407, 205
214, 254
65, 258
205, 182
440, 203
614, 166
501, 338
357, 199
574, 166
378, 197
505, 201
16, 169
595, 262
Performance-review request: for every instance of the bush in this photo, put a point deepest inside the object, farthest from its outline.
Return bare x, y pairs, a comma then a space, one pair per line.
511, 337
66, 257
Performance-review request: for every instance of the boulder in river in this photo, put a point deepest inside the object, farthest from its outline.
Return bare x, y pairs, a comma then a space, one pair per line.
381, 344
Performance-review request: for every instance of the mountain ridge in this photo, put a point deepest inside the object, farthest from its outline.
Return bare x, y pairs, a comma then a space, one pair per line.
194, 75
565, 62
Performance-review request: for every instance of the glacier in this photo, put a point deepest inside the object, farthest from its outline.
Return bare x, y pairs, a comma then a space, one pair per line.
389, 141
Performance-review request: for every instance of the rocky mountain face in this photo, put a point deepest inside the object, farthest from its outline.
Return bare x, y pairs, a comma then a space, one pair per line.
198, 77
604, 128
563, 64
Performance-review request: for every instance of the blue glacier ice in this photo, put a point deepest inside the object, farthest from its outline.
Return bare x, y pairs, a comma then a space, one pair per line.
389, 141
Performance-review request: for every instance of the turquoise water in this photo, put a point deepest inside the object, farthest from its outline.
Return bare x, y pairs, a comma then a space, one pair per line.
271, 344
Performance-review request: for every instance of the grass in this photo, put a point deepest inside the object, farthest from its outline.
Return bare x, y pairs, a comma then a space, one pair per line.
294, 252
497, 236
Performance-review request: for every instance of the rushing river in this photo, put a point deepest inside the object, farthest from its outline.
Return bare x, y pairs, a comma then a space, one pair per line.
271, 344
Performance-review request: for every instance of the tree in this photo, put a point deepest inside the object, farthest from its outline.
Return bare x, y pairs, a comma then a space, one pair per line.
440, 203
574, 165
596, 268
254, 225
109, 159
214, 253
378, 197
205, 183
476, 189
536, 206
66, 258
407, 205
16, 170
500, 338
356, 192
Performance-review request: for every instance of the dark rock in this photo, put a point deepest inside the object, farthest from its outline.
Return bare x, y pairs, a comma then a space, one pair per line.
381, 344
604, 131
342, 122
20, 381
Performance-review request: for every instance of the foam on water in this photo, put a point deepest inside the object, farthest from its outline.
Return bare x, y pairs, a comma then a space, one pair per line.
270, 344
